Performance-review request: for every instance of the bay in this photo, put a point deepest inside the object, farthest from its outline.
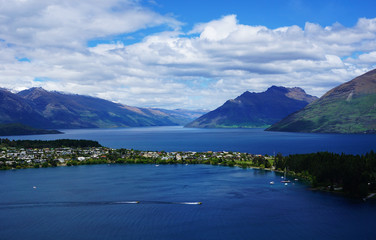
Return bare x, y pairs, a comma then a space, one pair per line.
95, 202
256, 141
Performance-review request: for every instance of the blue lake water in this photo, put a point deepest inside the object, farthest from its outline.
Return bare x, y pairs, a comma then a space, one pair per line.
90, 202
95, 202
255, 141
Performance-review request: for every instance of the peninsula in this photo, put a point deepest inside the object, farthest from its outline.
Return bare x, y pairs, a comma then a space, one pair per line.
12, 129
348, 174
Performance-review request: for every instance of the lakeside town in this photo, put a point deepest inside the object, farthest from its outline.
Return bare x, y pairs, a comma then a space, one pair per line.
16, 158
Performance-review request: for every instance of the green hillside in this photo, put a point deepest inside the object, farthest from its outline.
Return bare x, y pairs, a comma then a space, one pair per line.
348, 108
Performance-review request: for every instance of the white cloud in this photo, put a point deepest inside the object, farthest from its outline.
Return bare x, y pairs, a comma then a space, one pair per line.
71, 23
215, 61
364, 60
218, 29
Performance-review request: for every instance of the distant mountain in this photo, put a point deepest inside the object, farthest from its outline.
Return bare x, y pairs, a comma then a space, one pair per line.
183, 116
15, 109
11, 129
39, 108
348, 108
255, 109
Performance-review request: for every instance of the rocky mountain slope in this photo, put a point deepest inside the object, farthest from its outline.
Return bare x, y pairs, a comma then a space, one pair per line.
255, 109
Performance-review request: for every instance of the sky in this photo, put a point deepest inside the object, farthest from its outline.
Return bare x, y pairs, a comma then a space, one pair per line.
187, 54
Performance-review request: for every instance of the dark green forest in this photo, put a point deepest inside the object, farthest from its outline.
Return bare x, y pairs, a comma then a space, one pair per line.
11, 129
354, 175
48, 143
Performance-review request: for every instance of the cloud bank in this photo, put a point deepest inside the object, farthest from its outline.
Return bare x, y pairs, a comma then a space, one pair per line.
45, 43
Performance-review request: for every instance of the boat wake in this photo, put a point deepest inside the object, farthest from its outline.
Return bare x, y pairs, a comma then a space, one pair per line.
159, 202
75, 204
127, 202
188, 203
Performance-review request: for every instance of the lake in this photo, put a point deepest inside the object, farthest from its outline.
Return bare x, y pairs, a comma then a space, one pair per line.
97, 202
256, 141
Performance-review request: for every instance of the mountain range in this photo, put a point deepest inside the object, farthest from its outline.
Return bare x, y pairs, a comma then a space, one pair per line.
39, 108
255, 109
348, 108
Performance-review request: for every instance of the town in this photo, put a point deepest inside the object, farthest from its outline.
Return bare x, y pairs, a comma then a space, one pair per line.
17, 158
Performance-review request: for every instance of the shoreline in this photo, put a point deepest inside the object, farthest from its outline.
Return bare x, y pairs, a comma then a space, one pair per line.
370, 196
299, 166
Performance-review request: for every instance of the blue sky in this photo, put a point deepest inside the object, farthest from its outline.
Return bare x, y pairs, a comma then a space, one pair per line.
270, 13
184, 54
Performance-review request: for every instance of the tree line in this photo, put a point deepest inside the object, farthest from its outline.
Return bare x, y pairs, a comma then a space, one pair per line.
59, 143
355, 175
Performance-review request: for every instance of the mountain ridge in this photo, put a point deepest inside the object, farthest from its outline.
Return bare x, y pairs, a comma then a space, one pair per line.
40, 108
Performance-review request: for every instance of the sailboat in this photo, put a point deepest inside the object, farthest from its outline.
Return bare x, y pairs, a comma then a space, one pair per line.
285, 180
